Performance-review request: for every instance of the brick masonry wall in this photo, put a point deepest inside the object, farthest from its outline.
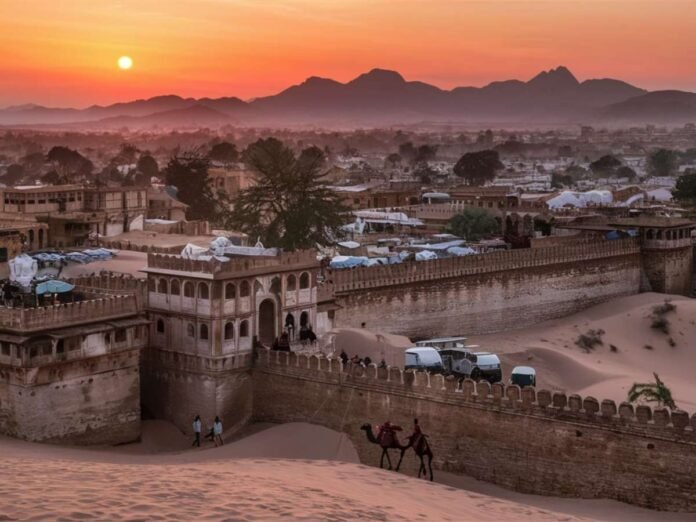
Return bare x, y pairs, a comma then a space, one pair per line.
533, 442
90, 401
490, 301
177, 387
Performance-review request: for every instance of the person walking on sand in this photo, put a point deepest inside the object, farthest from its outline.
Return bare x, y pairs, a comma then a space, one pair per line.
197, 431
217, 432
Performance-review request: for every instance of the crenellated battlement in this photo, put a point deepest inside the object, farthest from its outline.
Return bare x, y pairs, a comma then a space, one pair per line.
236, 266
639, 420
350, 280
92, 310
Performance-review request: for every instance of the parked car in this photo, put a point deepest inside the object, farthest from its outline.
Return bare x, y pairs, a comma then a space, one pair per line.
523, 376
423, 359
463, 363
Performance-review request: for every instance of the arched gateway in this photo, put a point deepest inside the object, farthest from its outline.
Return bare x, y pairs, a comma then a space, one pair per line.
267, 322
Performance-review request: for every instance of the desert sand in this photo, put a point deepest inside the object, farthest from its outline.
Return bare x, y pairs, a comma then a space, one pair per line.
363, 342
286, 472
604, 373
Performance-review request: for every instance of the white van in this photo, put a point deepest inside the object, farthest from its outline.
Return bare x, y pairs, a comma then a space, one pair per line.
423, 359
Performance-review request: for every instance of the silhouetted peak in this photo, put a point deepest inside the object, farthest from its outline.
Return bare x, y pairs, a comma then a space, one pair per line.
555, 78
379, 78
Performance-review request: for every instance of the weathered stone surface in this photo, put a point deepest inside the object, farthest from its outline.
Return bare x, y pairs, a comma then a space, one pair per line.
489, 443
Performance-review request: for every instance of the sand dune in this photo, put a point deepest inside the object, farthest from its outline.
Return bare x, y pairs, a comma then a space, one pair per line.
363, 342
606, 372
295, 471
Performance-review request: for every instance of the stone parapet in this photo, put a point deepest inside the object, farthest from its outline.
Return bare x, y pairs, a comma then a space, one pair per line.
27, 320
641, 420
352, 280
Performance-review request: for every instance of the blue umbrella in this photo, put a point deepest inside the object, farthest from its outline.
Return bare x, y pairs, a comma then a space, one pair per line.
53, 286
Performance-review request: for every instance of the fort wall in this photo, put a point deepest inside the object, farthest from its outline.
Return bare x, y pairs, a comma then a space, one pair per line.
83, 401
530, 441
488, 292
177, 387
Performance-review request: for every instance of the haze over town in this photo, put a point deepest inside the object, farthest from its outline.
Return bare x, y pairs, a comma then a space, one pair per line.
368, 260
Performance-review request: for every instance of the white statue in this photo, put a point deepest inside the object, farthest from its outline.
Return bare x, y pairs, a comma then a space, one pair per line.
23, 269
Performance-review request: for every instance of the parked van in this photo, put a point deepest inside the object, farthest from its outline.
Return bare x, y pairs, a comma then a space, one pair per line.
487, 367
423, 359
523, 376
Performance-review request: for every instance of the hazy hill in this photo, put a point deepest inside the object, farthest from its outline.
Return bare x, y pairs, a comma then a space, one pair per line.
382, 97
658, 107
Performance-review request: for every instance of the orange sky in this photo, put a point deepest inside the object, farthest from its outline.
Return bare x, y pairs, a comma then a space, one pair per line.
64, 52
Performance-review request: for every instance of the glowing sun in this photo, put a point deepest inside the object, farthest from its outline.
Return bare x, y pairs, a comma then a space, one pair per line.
125, 62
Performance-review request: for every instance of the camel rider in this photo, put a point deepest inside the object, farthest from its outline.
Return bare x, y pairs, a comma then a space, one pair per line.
416, 437
387, 434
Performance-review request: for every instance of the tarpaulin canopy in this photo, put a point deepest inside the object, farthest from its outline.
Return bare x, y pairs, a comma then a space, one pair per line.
53, 286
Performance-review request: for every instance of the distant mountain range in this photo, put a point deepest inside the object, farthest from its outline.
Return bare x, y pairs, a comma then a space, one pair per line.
382, 97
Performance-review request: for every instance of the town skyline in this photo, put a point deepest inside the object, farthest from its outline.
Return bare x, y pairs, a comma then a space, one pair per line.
239, 48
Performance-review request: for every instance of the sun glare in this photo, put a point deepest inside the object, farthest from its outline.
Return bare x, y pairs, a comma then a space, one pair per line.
125, 62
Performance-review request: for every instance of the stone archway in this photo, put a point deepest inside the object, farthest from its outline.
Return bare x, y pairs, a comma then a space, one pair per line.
267, 322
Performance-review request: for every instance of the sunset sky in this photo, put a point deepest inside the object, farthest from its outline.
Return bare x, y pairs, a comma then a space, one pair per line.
65, 52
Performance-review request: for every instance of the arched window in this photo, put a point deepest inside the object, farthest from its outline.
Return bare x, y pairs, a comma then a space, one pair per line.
151, 284
304, 280
244, 289
229, 331
41, 238
292, 282
304, 319
188, 289
174, 288
659, 234
202, 291
162, 286
203, 332
190, 330
244, 329
230, 291
160, 326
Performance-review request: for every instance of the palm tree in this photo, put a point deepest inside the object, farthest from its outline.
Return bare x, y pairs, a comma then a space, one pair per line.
652, 392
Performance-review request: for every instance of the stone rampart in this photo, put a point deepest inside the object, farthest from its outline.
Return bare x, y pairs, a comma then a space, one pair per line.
68, 314
532, 441
86, 401
487, 292
179, 386
363, 278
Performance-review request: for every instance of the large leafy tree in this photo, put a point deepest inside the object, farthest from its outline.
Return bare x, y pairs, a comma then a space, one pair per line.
69, 165
288, 206
605, 166
663, 162
473, 224
477, 168
652, 392
685, 189
224, 152
189, 174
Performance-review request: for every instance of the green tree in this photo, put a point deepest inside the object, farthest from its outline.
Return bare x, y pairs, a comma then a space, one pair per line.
224, 152
559, 180
605, 166
147, 165
288, 206
685, 189
13, 174
393, 160
652, 392
625, 172
69, 165
477, 168
189, 174
473, 224
663, 163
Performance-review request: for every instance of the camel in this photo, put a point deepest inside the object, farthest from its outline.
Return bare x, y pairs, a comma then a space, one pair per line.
392, 444
421, 448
